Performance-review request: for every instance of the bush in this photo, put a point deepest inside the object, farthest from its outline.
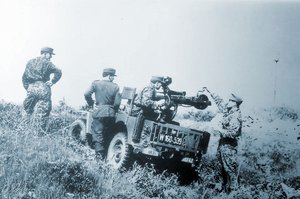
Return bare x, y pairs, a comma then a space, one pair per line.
55, 166
286, 113
10, 115
198, 116
282, 113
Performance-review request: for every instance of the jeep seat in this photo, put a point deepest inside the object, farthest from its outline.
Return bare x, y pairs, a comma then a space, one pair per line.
128, 95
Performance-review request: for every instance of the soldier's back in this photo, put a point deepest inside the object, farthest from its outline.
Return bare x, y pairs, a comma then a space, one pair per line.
105, 91
36, 69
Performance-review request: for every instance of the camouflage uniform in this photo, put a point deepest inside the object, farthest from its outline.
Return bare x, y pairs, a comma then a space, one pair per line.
147, 103
227, 149
38, 99
107, 102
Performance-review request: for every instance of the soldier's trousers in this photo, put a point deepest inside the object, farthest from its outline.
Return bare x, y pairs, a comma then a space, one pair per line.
100, 127
227, 155
38, 102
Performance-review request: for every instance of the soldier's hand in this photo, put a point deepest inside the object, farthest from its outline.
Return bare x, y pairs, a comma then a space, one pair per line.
48, 83
157, 111
205, 89
87, 108
160, 103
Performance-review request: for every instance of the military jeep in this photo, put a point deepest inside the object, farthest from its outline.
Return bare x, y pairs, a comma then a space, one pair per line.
136, 136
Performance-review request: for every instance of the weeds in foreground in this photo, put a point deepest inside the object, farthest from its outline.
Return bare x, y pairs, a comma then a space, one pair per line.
55, 166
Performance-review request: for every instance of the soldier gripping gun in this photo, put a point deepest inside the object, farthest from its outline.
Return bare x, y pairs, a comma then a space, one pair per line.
175, 98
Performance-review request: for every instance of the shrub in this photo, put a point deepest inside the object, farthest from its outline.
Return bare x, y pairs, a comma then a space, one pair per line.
286, 113
198, 116
282, 113
55, 166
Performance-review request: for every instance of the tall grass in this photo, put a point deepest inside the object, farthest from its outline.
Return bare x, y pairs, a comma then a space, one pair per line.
53, 165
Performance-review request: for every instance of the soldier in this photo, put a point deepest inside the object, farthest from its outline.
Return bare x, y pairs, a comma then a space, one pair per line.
150, 106
36, 81
227, 149
107, 102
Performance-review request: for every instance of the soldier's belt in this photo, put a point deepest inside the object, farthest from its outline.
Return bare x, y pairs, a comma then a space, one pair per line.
101, 106
38, 81
230, 141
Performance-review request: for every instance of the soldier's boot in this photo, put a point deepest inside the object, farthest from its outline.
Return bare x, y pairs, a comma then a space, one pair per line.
233, 183
226, 183
227, 188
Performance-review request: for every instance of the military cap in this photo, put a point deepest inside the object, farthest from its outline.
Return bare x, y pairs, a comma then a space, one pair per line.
109, 71
157, 79
236, 99
47, 50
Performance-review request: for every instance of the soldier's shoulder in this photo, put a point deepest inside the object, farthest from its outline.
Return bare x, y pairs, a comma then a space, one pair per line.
48, 62
96, 81
115, 84
148, 89
33, 60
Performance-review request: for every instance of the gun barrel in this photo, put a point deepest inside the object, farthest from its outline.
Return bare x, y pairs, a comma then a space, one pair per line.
200, 102
181, 93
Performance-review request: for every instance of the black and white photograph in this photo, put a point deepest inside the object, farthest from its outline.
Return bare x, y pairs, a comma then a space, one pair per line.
149, 99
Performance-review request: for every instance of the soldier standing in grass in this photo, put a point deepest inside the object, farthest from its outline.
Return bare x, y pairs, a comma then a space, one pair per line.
36, 81
107, 102
231, 131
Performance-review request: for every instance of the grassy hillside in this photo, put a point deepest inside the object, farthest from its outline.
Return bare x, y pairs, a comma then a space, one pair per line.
55, 166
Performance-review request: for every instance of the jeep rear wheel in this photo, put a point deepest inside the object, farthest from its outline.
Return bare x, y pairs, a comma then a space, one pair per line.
119, 151
78, 132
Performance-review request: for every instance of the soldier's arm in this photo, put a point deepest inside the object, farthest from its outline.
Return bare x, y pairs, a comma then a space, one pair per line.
146, 98
88, 95
118, 99
25, 81
57, 73
25, 78
219, 102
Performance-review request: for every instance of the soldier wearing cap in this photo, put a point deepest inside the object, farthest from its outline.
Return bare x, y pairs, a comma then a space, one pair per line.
107, 99
227, 149
36, 81
146, 100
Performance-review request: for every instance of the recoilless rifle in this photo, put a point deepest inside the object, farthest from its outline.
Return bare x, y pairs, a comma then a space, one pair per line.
173, 99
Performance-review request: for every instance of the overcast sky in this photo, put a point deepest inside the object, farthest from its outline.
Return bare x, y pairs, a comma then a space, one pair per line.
228, 46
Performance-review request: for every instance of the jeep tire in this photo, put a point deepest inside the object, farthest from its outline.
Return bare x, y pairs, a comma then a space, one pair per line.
119, 151
77, 130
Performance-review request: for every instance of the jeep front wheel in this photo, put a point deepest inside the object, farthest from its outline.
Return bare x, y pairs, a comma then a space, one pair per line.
119, 151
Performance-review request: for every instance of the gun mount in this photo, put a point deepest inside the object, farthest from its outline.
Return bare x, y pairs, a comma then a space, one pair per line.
175, 98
